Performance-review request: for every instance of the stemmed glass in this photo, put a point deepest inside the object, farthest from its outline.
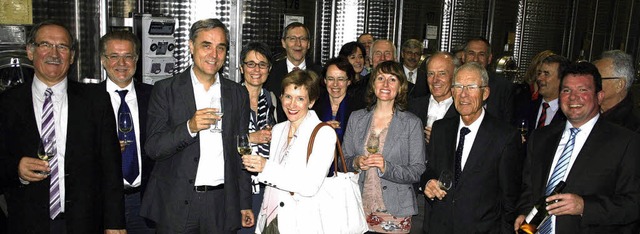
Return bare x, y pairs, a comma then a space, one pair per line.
125, 125
523, 127
270, 123
446, 180
45, 153
216, 103
373, 143
242, 144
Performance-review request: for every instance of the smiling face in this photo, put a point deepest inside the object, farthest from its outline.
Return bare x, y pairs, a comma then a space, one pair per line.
578, 98
385, 87
209, 50
121, 70
382, 51
296, 43
51, 64
439, 75
255, 76
548, 81
469, 102
357, 60
411, 57
296, 103
336, 81
477, 51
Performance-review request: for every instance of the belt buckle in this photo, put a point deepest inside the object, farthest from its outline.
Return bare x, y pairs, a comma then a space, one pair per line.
201, 189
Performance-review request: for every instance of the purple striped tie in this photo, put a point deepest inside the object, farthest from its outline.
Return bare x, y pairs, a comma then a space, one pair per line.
49, 132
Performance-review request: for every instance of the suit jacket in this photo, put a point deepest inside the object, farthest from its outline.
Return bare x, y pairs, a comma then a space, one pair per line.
420, 88
143, 93
484, 199
277, 73
622, 114
500, 103
605, 174
176, 153
532, 115
93, 173
403, 153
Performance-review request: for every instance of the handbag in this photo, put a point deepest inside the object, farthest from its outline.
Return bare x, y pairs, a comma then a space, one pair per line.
339, 197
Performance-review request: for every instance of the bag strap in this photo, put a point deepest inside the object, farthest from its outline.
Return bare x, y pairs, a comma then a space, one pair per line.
336, 156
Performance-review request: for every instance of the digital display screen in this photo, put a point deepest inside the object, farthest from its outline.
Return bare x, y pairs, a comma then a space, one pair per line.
161, 28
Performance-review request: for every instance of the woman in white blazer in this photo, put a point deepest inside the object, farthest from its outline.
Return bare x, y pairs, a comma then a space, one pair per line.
289, 204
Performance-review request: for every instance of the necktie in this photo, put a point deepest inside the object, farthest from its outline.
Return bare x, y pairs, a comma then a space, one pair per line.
295, 68
543, 115
463, 132
130, 154
49, 132
558, 174
410, 78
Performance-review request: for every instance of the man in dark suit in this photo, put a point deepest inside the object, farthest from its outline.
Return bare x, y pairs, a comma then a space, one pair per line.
501, 103
197, 184
119, 54
481, 154
546, 109
411, 53
616, 68
597, 160
82, 191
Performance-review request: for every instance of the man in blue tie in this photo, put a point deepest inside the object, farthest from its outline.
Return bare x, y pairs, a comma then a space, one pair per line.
129, 99
598, 161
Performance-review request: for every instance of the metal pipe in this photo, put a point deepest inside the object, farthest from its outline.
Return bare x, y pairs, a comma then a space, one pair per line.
522, 26
612, 29
626, 38
398, 30
490, 19
332, 34
316, 46
103, 16
79, 45
366, 17
236, 27
453, 17
572, 30
593, 29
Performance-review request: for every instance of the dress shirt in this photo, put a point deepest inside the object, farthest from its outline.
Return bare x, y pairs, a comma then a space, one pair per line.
132, 102
470, 138
211, 162
439, 109
581, 138
60, 116
302, 66
551, 111
411, 78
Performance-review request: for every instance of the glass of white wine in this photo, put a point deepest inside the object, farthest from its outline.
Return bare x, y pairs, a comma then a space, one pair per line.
216, 102
125, 125
242, 144
46, 151
373, 143
446, 180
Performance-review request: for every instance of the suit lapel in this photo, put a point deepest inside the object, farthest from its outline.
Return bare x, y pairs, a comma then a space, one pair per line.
450, 133
482, 143
227, 102
185, 93
25, 104
394, 130
583, 162
548, 147
363, 131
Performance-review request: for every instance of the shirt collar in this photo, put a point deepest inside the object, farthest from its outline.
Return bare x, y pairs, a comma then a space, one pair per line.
447, 101
553, 104
195, 82
302, 66
58, 89
112, 87
586, 127
407, 70
475, 125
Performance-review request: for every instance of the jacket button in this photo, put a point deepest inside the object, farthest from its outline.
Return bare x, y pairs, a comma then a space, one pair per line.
281, 204
384, 187
195, 159
186, 202
191, 181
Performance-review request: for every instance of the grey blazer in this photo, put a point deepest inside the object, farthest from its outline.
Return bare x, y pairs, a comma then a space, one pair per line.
404, 154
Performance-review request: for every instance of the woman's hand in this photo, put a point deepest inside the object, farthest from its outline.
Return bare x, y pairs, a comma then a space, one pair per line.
359, 162
375, 160
260, 137
254, 163
334, 124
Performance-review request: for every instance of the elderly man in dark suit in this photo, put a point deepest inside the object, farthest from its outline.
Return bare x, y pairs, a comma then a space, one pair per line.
197, 184
481, 154
119, 54
597, 160
81, 191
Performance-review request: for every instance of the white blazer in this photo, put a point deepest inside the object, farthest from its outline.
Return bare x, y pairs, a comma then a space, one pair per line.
298, 213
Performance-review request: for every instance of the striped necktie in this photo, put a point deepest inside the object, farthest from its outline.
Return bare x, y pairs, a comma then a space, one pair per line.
49, 132
543, 115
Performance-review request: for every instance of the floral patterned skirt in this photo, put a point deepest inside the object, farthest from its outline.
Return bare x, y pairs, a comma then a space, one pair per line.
383, 222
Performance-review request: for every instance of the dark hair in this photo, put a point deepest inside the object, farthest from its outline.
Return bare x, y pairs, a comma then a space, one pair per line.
207, 24
365, 34
302, 78
119, 35
481, 39
393, 68
258, 47
342, 64
351, 48
583, 68
295, 25
562, 62
34, 31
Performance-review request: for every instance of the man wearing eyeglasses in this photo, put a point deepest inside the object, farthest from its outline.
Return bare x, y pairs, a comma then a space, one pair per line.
118, 55
417, 77
79, 189
616, 68
481, 154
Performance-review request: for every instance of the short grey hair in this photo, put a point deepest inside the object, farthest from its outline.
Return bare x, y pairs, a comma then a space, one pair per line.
476, 67
454, 59
622, 65
206, 24
412, 44
393, 48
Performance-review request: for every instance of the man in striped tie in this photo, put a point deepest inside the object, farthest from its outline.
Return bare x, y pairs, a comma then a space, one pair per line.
597, 160
79, 190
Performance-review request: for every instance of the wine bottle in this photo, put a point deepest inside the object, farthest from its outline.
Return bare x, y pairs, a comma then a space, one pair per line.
539, 212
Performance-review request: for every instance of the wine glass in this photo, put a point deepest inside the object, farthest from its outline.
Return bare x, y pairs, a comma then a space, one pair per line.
46, 153
270, 122
446, 180
125, 125
523, 127
242, 144
216, 103
373, 143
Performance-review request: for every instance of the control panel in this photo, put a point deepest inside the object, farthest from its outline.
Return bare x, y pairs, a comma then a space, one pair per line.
158, 45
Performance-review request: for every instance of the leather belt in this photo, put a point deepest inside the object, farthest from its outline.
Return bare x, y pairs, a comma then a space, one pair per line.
206, 188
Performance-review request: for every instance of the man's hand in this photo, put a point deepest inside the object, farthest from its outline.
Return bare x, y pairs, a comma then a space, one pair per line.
115, 231
123, 145
247, 218
432, 190
29, 167
568, 204
427, 134
518, 223
203, 119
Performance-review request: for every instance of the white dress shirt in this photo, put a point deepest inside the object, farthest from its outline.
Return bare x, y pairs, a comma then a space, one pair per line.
302, 66
469, 138
132, 102
411, 78
437, 110
551, 111
211, 162
60, 115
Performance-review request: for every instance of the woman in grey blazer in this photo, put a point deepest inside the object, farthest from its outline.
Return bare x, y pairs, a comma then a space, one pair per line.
388, 172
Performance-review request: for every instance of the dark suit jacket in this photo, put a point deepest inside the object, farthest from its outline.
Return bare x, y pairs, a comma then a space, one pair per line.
484, 199
605, 174
532, 115
420, 88
176, 153
93, 173
501, 103
143, 93
622, 114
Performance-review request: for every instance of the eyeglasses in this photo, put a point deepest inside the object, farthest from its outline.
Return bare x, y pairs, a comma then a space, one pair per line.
380, 53
292, 39
48, 46
612, 78
115, 57
470, 88
341, 80
252, 64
